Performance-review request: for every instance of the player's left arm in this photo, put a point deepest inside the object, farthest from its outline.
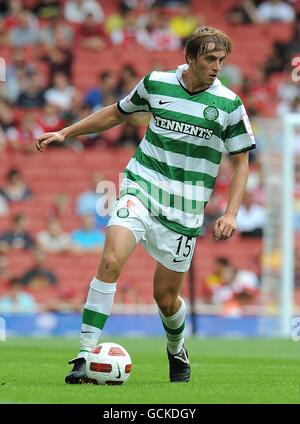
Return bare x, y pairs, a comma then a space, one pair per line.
226, 225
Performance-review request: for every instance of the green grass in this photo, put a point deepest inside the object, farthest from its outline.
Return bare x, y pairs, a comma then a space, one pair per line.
223, 371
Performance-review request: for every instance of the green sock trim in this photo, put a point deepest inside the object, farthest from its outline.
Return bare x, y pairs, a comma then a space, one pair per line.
174, 338
174, 331
83, 350
95, 319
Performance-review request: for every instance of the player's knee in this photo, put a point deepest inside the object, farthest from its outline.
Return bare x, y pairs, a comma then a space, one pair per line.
109, 268
166, 303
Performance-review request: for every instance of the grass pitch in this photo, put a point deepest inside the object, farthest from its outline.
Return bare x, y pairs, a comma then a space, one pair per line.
223, 371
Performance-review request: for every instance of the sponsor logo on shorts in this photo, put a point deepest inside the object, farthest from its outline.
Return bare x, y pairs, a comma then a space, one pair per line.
123, 212
181, 260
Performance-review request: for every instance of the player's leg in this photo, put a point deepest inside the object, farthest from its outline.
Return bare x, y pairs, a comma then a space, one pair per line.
167, 285
120, 243
173, 253
166, 288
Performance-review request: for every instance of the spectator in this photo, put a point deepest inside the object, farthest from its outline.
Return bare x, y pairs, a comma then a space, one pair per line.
15, 9
86, 202
75, 10
217, 285
76, 110
21, 139
17, 75
4, 208
230, 287
246, 287
106, 85
54, 239
50, 119
61, 93
60, 207
231, 76
17, 237
129, 136
47, 9
261, 95
39, 276
251, 217
288, 89
8, 122
243, 12
275, 11
56, 32
91, 34
87, 238
147, 21
16, 300
276, 60
59, 58
15, 188
3, 142
33, 94
288, 107
116, 21
66, 300
245, 92
3, 8
4, 272
184, 22
161, 37
127, 35
127, 81
4, 39
292, 47
26, 31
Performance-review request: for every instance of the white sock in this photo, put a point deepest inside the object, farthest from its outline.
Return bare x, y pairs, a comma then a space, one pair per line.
96, 311
174, 327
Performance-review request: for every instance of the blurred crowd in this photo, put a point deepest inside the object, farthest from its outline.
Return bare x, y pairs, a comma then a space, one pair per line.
39, 95
54, 29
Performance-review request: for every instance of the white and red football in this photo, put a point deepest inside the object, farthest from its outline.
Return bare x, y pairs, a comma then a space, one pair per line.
108, 363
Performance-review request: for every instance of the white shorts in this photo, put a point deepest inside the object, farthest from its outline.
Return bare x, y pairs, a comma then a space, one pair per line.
171, 249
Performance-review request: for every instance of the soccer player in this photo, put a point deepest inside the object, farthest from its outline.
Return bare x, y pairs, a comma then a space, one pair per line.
166, 185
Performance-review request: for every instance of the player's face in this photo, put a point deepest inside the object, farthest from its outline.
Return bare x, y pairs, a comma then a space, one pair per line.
207, 67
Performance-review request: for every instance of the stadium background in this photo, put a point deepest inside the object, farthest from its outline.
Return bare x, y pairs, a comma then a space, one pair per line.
39, 39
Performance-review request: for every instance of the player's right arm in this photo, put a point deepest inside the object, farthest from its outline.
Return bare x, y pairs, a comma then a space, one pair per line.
99, 121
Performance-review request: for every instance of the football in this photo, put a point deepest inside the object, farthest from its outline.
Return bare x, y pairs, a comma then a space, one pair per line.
108, 363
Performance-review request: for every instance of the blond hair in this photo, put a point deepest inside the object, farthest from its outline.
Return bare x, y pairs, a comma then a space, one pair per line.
200, 41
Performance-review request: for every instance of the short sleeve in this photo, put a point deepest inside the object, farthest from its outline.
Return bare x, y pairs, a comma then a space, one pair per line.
238, 133
137, 100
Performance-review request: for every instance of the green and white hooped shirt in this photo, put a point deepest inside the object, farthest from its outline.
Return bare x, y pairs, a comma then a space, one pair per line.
174, 169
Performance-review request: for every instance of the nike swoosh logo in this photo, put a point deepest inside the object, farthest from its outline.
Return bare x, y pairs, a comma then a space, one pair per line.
92, 332
119, 375
162, 103
176, 260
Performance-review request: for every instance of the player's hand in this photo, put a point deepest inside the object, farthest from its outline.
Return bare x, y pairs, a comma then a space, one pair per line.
43, 140
225, 227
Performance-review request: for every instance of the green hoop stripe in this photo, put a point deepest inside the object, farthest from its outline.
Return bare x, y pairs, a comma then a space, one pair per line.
183, 148
95, 319
174, 331
172, 172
